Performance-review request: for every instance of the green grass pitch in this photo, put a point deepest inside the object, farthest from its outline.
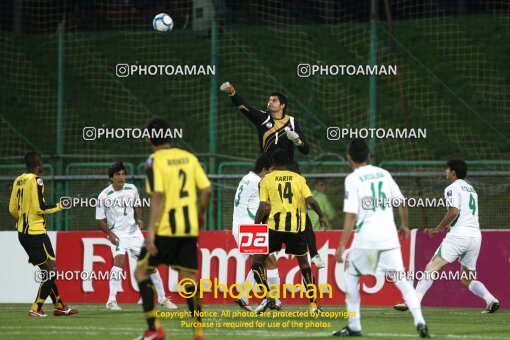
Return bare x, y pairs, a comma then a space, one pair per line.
94, 322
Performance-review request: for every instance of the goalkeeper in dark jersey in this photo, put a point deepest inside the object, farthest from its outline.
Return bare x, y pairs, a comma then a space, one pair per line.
277, 130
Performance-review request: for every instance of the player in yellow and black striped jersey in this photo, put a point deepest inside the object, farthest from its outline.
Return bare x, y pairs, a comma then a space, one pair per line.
286, 191
172, 178
28, 206
284, 195
177, 174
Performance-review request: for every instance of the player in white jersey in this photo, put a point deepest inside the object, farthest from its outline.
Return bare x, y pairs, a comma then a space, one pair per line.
463, 240
115, 215
375, 249
246, 203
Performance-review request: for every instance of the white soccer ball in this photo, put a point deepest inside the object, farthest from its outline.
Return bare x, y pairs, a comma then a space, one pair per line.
162, 23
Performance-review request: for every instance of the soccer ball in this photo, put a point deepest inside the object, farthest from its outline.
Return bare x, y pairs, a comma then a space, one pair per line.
162, 23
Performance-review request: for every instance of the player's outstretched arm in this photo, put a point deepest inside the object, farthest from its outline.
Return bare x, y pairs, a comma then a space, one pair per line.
228, 88
349, 221
262, 212
40, 203
139, 217
257, 117
445, 223
101, 223
404, 220
402, 208
316, 207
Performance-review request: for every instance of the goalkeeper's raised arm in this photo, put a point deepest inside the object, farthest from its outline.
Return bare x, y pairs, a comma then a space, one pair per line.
276, 129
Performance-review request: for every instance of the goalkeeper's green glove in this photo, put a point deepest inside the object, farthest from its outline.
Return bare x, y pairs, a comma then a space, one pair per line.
293, 137
227, 88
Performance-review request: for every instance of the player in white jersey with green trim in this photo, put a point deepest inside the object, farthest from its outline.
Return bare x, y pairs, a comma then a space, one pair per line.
375, 249
115, 215
463, 240
246, 203
246, 199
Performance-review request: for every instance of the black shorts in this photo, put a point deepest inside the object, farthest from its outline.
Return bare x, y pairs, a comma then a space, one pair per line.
295, 243
177, 252
38, 248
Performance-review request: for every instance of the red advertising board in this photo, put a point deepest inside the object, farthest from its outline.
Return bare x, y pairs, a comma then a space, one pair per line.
218, 258
253, 239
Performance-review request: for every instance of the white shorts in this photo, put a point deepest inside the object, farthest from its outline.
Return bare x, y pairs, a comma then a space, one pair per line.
235, 229
463, 248
235, 232
373, 261
131, 243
